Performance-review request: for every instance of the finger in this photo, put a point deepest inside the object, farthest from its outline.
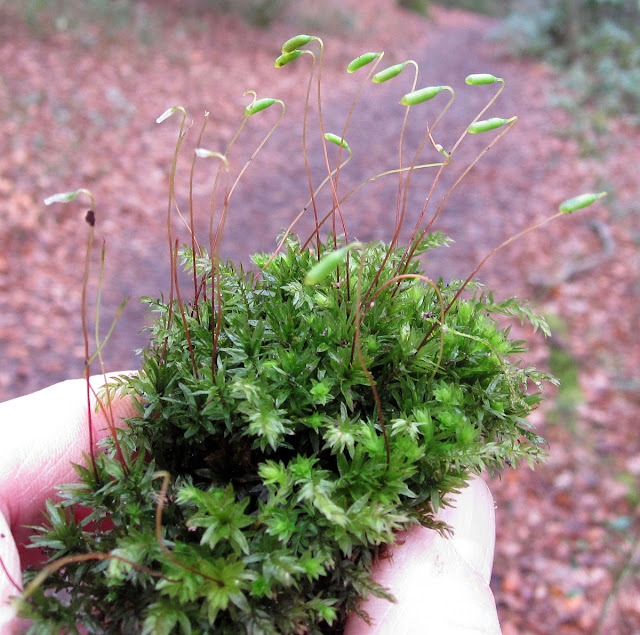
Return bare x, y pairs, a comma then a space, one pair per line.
43, 433
474, 521
441, 584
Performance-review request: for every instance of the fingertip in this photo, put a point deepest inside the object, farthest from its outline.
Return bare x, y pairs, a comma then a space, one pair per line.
46, 432
441, 584
110, 412
474, 521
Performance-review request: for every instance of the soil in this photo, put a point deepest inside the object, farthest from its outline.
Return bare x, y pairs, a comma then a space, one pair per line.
78, 108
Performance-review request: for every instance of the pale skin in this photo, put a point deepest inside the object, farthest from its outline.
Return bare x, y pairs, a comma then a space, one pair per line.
442, 585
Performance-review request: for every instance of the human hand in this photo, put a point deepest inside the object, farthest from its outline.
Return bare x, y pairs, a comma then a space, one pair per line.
42, 434
442, 585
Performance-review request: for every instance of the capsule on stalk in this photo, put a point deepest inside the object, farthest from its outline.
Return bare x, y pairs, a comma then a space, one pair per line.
388, 73
578, 202
296, 42
362, 60
422, 94
489, 124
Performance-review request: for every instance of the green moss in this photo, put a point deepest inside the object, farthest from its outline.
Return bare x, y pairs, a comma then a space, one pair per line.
281, 491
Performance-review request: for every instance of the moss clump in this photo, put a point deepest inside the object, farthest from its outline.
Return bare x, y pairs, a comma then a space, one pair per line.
255, 495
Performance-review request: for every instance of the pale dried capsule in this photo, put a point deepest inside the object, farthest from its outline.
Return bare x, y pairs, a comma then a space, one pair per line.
65, 197
167, 113
203, 153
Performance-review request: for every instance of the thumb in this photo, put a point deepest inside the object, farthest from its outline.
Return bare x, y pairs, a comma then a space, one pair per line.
42, 433
441, 584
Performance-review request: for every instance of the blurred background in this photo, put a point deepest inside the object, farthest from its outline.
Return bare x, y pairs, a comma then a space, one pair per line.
82, 82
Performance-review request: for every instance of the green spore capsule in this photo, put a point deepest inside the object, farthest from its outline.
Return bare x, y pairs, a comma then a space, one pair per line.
388, 73
489, 124
422, 94
578, 202
296, 42
328, 263
362, 60
285, 58
339, 141
479, 79
258, 105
